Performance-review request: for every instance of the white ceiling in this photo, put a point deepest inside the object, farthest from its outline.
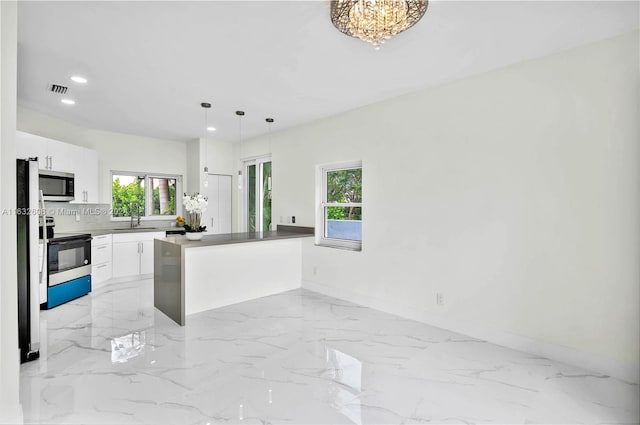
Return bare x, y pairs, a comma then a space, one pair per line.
150, 64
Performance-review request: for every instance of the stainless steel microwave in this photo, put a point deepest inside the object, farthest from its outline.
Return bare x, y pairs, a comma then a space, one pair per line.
56, 185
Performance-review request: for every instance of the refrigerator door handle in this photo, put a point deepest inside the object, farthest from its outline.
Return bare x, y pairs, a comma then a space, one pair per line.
34, 282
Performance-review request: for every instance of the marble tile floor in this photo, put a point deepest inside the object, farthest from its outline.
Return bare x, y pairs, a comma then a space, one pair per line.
293, 358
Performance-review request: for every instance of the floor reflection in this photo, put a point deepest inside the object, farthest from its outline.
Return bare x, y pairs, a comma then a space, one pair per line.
127, 347
293, 358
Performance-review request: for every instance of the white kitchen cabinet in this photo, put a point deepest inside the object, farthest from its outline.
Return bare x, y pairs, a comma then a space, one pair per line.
32, 146
146, 257
52, 154
101, 259
133, 253
86, 175
217, 216
126, 258
59, 156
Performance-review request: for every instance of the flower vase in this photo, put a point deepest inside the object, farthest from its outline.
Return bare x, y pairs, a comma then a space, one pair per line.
193, 236
194, 220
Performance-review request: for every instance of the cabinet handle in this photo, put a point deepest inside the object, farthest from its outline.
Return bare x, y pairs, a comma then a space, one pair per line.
142, 247
101, 266
50, 162
86, 196
212, 224
101, 247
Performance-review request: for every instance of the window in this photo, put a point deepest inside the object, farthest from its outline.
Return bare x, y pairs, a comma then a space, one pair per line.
339, 212
149, 195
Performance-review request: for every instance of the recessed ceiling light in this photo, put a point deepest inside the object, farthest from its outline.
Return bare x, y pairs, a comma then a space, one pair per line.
211, 129
68, 101
79, 79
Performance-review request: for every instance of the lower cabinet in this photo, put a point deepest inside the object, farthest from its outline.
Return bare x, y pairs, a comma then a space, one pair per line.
101, 259
133, 253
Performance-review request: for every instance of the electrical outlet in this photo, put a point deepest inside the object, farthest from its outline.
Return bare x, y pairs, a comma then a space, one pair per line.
440, 298
293, 219
288, 219
77, 215
281, 219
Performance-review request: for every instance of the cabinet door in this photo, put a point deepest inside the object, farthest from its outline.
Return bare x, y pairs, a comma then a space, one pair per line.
85, 168
60, 154
90, 160
217, 217
30, 146
126, 259
224, 204
101, 272
146, 257
210, 216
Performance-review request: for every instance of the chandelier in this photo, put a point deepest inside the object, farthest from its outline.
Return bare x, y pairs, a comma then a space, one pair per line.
376, 21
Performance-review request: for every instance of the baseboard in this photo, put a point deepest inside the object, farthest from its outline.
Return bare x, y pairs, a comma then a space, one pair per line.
589, 361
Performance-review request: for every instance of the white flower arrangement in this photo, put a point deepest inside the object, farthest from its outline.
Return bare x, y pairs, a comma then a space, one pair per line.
196, 203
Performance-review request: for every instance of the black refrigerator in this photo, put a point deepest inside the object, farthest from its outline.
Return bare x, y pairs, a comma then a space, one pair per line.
29, 209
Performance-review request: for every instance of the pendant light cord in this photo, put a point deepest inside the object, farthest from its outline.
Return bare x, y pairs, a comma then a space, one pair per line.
206, 141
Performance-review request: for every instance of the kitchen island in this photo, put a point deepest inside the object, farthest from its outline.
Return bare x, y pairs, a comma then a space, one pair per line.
219, 270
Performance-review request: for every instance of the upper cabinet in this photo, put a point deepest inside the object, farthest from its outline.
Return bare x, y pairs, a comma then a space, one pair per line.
86, 172
32, 146
59, 156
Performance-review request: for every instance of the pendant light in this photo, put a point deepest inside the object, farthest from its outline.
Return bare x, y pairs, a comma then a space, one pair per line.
269, 122
205, 177
240, 114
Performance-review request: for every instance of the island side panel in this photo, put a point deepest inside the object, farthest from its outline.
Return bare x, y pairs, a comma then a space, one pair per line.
216, 276
168, 282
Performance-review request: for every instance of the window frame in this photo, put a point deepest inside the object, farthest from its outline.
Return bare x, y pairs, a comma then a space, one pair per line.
148, 195
322, 204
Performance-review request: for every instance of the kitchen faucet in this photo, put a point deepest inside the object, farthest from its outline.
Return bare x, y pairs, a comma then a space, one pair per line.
137, 205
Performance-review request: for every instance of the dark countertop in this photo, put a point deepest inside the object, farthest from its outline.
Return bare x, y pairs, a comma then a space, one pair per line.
232, 238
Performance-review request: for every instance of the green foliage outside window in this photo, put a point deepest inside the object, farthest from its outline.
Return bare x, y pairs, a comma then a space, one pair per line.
170, 208
128, 193
124, 197
266, 201
344, 186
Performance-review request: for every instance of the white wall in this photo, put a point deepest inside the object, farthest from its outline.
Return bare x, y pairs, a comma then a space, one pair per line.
214, 154
193, 166
117, 151
10, 411
514, 193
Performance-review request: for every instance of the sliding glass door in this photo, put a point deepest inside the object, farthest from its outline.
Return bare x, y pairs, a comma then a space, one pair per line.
257, 199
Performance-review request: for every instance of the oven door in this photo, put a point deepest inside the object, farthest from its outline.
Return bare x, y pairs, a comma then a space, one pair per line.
68, 260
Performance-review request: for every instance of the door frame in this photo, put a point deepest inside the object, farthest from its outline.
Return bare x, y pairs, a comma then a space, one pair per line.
258, 161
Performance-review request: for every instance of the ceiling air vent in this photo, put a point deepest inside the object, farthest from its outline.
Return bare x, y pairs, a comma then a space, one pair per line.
58, 89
